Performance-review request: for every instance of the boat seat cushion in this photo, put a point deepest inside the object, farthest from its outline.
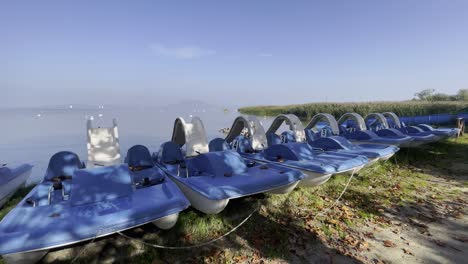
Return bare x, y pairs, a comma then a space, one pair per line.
273, 139
220, 163
218, 144
243, 144
288, 136
139, 156
310, 135
63, 163
290, 151
170, 152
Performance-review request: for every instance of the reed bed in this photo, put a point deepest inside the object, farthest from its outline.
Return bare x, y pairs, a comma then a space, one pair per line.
404, 108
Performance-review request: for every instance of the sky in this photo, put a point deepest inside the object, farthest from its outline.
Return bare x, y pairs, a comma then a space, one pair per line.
229, 52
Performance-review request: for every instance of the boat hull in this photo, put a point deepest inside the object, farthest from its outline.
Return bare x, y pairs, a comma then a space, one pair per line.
200, 202
387, 157
209, 206
285, 189
25, 257
9, 189
167, 222
313, 179
34, 256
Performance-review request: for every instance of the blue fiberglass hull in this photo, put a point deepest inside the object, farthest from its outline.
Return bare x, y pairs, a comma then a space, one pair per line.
101, 201
441, 132
418, 138
342, 145
211, 179
318, 167
370, 137
11, 179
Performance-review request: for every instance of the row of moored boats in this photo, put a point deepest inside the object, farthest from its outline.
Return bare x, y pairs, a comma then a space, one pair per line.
78, 201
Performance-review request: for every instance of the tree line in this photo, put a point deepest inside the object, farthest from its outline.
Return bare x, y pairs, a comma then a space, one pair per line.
432, 95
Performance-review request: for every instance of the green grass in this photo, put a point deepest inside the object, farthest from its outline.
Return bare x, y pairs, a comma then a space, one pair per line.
405, 108
14, 200
286, 222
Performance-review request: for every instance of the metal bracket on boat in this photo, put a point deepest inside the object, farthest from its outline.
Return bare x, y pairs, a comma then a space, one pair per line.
49, 195
31, 202
52, 188
318, 149
179, 167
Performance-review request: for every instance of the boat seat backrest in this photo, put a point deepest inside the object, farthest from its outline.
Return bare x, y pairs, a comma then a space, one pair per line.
139, 156
170, 152
220, 163
242, 144
63, 163
288, 136
218, 144
280, 152
310, 135
273, 139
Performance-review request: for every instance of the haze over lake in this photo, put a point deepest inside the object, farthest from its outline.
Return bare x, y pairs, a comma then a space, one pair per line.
32, 135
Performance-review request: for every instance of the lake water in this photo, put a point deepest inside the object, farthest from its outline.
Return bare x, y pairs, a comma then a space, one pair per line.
34, 135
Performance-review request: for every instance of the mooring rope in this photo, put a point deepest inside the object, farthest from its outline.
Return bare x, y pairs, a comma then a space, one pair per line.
84, 248
197, 245
337, 199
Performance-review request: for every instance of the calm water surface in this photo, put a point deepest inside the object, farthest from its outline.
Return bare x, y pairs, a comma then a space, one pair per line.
33, 135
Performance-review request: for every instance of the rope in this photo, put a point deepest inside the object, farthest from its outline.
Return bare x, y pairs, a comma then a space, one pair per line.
193, 246
337, 199
84, 248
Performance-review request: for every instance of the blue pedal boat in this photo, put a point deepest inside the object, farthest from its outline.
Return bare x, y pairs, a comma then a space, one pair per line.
210, 179
74, 204
378, 123
296, 134
254, 146
353, 127
443, 133
11, 179
322, 132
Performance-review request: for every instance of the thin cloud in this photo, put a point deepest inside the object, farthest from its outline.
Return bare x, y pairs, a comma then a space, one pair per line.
184, 52
265, 55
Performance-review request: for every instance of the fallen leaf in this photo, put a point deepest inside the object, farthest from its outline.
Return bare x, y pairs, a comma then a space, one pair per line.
378, 261
389, 243
363, 245
461, 238
439, 243
408, 252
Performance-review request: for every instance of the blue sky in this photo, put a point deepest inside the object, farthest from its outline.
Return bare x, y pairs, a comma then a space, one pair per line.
229, 52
